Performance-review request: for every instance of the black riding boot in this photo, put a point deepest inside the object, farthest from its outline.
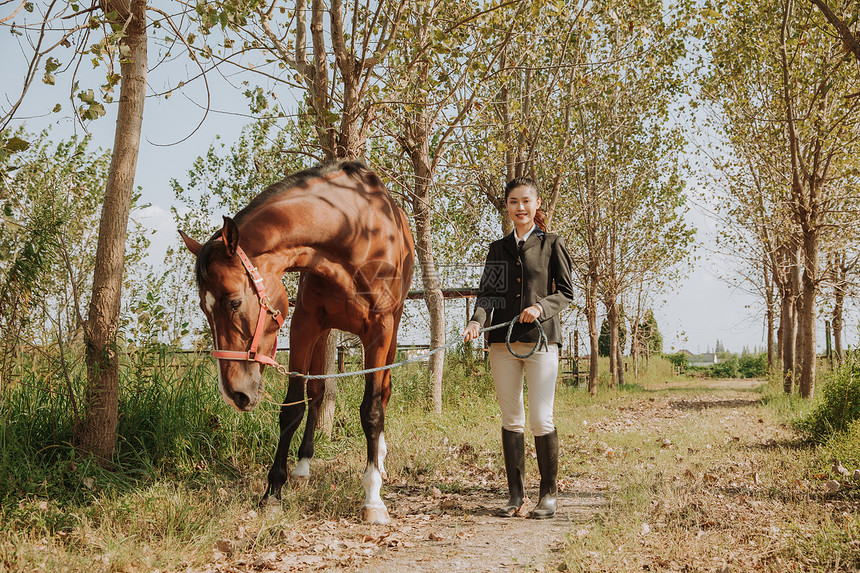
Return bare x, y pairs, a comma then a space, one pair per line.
513, 448
546, 448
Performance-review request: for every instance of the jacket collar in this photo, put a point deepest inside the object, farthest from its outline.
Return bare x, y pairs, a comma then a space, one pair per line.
510, 241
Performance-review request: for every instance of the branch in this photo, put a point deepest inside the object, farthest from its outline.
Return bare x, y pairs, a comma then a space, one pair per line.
279, 46
841, 28
12, 15
199, 65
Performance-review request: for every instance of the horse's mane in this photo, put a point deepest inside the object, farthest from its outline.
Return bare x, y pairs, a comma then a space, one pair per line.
354, 169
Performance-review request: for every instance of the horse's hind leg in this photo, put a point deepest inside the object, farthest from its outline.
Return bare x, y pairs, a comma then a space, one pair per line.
377, 389
315, 390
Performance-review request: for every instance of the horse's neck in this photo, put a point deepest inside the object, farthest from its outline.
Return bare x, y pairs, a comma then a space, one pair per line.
297, 244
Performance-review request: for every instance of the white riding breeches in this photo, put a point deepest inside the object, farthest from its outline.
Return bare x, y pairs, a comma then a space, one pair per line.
541, 371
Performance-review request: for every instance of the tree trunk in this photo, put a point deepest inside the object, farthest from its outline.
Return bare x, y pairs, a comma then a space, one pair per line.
619, 361
325, 424
620, 357
798, 317
807, 334
433, 296
612, 320
593, 333
771, 318
787, 327
97, 432
838, 306
837, 325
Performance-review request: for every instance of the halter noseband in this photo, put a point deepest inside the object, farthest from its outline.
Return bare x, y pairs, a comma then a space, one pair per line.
265, 306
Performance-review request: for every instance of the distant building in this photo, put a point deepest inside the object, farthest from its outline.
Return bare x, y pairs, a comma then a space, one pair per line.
706, 359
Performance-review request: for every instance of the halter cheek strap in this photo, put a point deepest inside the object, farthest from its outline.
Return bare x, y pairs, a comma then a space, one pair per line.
265, 306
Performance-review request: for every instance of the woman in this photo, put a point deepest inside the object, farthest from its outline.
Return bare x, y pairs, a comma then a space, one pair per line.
526, 276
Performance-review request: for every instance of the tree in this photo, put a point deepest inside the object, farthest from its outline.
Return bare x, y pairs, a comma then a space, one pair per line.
624, 195
794, 74
604, 342
63, 26
439, 58
97, 431
51, 195
645, 338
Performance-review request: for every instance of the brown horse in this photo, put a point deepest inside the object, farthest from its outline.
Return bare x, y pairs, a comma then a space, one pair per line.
338, 226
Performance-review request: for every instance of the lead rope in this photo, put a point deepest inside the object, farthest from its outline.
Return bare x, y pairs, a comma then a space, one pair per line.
541, 343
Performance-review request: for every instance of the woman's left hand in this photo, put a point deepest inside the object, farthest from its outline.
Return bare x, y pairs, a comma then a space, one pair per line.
530, 314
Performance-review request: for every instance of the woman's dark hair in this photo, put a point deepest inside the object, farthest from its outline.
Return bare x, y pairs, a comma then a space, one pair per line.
540, 216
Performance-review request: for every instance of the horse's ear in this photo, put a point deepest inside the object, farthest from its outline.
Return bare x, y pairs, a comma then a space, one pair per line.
190, 243
230, 234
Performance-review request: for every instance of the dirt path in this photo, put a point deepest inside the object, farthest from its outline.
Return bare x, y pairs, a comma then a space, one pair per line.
435, 531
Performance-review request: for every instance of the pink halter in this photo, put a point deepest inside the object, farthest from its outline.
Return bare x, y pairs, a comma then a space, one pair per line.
265, 306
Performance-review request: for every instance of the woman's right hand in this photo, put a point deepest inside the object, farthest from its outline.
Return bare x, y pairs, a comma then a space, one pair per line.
471, 332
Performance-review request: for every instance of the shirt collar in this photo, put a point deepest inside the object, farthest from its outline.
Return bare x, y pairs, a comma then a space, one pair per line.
527, 235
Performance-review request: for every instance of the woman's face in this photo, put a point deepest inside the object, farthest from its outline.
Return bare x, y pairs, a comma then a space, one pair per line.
522, 204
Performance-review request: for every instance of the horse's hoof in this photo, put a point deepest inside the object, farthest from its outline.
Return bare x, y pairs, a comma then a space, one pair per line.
270, 505
302, 469
375, 515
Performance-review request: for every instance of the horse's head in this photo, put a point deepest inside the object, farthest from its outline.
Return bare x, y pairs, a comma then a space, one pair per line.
240, 314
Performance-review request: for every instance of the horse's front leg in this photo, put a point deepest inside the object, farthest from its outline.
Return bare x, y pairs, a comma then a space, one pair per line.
288, 421
377, 389
294, 404
315, 391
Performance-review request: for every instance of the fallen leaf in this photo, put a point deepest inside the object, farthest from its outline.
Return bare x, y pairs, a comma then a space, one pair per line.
839, 469
832, 486
265, 560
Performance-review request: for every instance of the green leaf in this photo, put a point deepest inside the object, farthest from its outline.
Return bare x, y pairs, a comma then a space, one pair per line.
87, 96
52, 64
16, 144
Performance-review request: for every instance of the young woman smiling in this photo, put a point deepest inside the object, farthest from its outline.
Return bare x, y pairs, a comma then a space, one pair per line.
526, 276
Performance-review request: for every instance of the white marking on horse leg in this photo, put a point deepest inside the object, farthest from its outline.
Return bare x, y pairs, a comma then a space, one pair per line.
302, 469
374, 510
383, 450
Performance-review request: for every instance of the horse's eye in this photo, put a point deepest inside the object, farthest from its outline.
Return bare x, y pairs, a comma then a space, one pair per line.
235, 304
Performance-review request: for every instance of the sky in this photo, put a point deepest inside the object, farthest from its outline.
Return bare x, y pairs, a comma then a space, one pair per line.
693, 314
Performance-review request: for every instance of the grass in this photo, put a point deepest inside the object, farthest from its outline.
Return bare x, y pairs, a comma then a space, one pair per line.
189, 471
733, 487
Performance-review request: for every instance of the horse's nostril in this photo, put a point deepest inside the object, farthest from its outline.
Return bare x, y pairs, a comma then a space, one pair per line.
241, 400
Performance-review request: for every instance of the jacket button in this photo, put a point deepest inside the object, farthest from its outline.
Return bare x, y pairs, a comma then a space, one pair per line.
518, 279
518, 263
518, 295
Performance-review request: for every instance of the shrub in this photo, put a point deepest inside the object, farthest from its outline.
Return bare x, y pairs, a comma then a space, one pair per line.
679, 360
726, 369
752, 365
839, 404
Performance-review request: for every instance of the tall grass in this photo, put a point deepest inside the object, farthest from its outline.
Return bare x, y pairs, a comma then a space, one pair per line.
188, 468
